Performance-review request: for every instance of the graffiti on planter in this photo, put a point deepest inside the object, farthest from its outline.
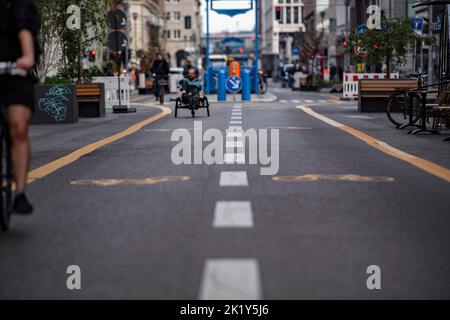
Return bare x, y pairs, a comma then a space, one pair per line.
56, 101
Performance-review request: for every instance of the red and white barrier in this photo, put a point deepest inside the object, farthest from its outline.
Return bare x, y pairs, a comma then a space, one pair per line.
350, 89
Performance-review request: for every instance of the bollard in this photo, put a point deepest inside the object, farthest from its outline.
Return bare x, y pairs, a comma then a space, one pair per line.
221, 90
246, 85
207, 81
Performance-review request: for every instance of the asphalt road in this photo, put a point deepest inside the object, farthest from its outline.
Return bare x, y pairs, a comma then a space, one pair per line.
139, 226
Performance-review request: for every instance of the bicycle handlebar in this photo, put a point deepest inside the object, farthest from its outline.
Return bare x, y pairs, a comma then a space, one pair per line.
416, 75
10, 68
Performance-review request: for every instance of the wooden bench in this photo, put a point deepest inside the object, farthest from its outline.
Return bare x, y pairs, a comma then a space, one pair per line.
374, 93
91, 100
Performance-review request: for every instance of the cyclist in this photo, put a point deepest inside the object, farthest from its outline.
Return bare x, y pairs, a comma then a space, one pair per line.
19, 26
160, 70
191, 84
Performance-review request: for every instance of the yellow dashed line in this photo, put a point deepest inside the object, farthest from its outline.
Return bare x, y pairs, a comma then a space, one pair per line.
418, 162
45, 170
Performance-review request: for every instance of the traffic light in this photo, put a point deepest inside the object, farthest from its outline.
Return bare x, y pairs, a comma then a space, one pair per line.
376, 46
92, 54
278, 13
345, 43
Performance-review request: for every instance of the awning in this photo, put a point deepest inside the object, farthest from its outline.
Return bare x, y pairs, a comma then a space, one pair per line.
431, 3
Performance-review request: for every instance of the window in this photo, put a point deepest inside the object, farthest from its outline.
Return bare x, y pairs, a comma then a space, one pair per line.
288, 1
288, 15
280, 1
294, 1
176, 16
187, 22
296, 15
280, 21
168, 34
176, 34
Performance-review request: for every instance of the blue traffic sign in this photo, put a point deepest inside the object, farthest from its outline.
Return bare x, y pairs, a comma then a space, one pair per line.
362, 28
234, 84
296, 51
417, 23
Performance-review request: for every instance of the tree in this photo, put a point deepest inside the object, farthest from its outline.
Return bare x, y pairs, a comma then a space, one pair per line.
56, 39
390, 45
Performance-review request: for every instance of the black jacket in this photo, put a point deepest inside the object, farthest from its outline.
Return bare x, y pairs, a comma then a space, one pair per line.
17, 15
160, 68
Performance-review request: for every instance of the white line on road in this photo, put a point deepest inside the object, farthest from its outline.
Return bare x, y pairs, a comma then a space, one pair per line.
295, 101
236, 122
234, 134
238, 158
236, 118
234, 144
233, 214
309, 101
230, 279
283, 101
233, 178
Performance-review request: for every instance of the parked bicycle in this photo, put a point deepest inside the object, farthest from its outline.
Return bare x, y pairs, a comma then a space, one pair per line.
403, 106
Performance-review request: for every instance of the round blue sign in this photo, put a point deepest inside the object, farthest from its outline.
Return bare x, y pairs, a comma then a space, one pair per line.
362, 28
234, 84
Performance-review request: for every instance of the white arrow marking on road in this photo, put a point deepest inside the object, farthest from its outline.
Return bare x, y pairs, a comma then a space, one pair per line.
231, 279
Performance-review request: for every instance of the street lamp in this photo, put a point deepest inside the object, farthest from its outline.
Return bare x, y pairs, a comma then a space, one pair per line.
135, 16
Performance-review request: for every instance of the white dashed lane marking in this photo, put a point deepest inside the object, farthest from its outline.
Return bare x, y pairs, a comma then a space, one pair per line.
233, 214
233, 178
230, 279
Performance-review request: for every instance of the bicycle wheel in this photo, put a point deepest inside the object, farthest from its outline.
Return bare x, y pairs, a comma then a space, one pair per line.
262, 86
161, 95
398, 108
6, 182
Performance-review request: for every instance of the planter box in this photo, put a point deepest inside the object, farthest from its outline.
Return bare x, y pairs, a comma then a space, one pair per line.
55, 104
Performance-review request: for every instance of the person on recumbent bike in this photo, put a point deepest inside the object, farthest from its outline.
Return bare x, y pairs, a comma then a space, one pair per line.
190, 89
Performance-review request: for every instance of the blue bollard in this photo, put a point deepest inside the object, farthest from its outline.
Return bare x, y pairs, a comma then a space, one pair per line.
246, 85
207, 81
221, 89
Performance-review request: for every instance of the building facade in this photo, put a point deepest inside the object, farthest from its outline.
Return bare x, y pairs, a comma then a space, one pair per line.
182, 31
146, 27
282, 22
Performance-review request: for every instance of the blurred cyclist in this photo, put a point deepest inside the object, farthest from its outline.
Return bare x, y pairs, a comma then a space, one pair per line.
19, 26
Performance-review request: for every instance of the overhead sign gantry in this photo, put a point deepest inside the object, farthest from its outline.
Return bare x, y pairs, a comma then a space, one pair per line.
238, 7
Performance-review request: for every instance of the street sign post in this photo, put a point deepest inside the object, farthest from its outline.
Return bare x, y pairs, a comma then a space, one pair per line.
118, 43
234, 84
417, 24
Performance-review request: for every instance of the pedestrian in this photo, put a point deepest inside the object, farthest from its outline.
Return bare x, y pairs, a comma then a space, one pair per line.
19, 28
160, 70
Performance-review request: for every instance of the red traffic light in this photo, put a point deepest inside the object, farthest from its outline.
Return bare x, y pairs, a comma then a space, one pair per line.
345, 43
241, 50
93, 52
376, 46
278, 9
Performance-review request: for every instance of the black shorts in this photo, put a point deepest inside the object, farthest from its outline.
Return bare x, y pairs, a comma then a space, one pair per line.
17, 90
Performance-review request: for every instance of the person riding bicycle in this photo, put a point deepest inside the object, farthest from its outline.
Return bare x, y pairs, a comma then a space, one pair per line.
191, 84
160, 70
19, 27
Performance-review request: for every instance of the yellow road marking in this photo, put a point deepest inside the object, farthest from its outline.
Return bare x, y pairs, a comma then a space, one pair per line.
418, 162
336, 177
330, 97
47, 169
137, 182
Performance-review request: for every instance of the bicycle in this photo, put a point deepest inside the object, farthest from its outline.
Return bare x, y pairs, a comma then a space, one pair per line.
6, 172
161, 89
403, 106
